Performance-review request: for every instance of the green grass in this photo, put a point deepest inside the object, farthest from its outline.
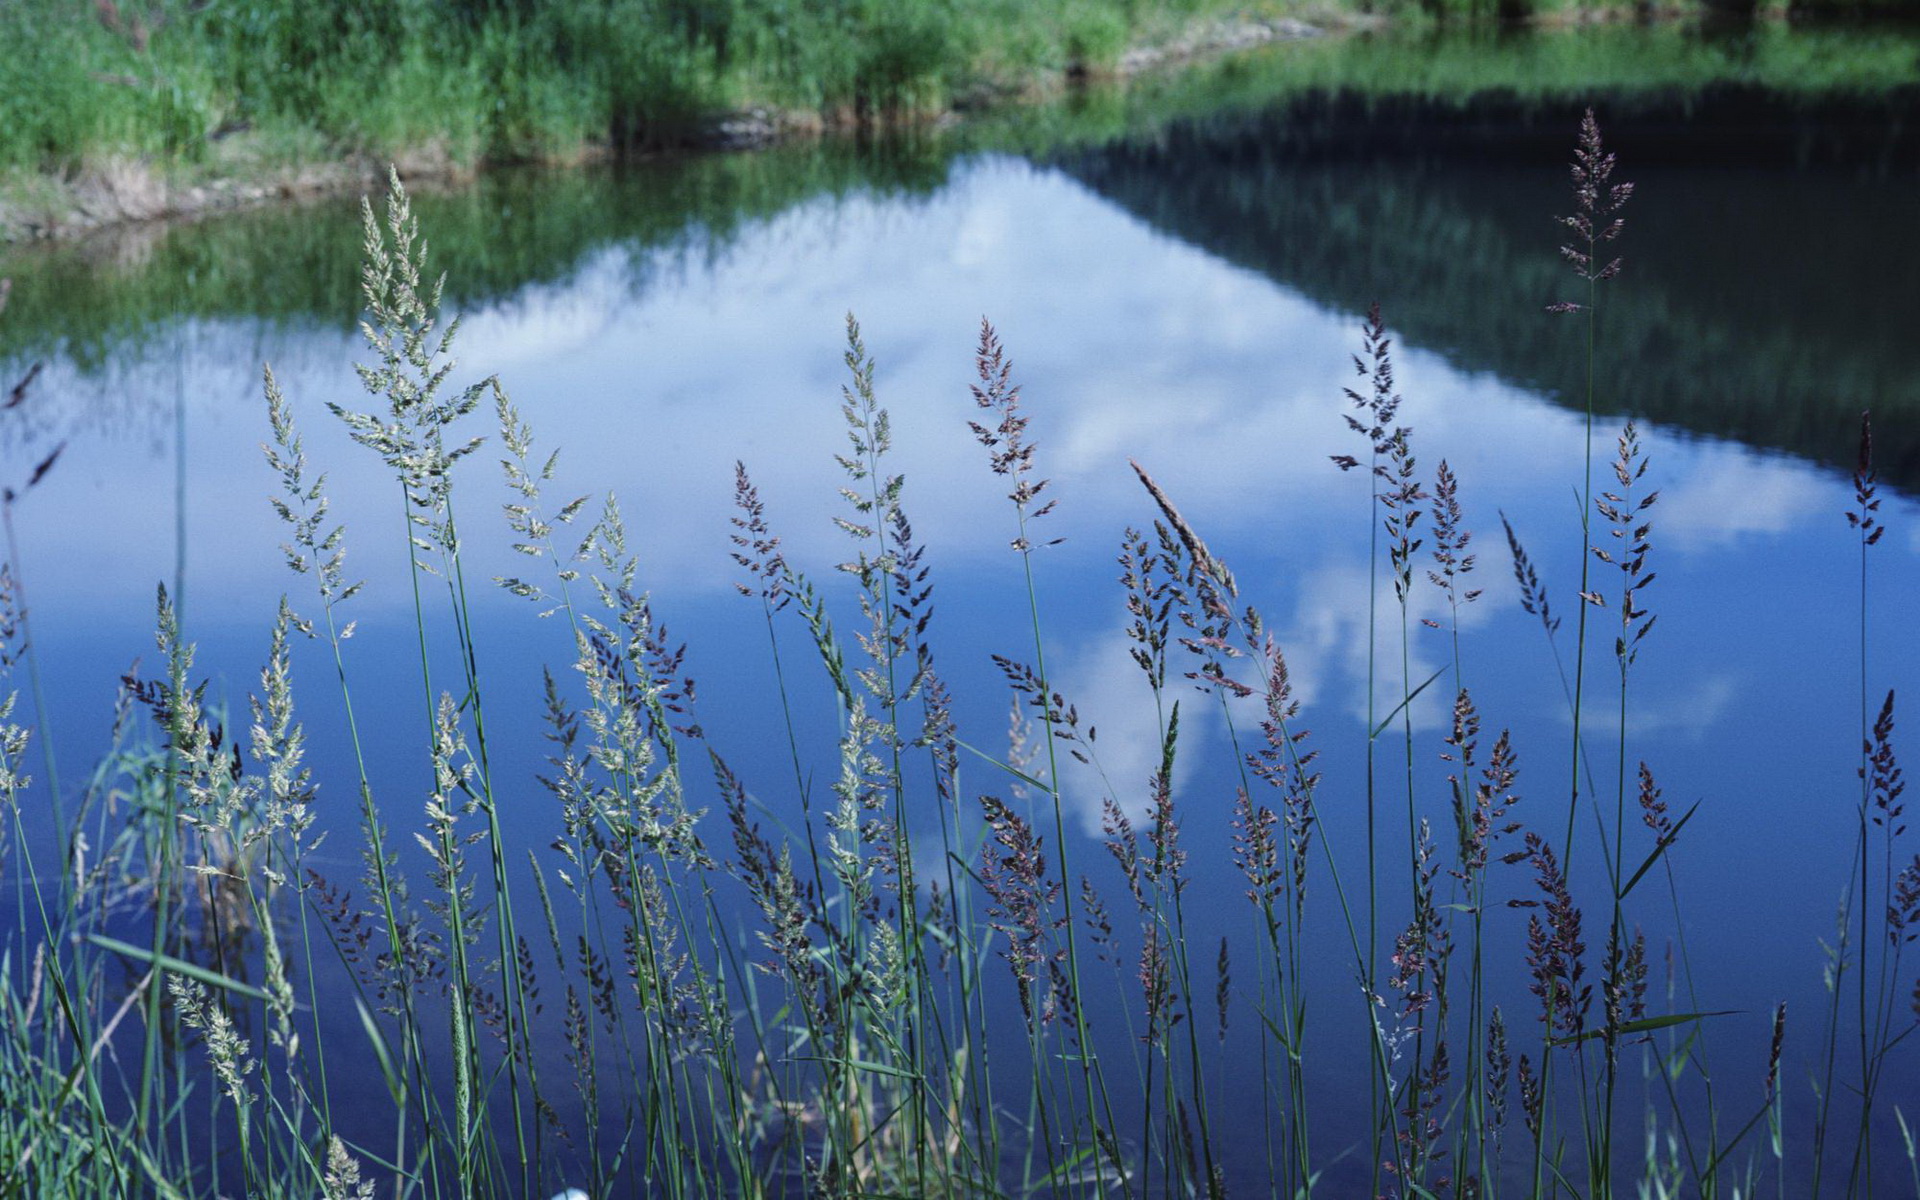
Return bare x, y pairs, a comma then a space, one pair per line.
175, 83
515, 80
584, 1012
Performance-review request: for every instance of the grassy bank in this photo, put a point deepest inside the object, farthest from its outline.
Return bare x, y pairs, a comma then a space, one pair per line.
116, 111
935, 993
130, 99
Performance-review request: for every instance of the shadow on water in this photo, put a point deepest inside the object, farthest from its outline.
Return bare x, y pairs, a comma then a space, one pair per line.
1766, 297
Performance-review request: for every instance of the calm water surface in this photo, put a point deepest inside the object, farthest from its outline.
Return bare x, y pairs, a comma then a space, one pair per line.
1188, 295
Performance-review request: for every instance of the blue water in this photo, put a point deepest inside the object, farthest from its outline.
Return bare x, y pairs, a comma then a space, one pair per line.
653, 369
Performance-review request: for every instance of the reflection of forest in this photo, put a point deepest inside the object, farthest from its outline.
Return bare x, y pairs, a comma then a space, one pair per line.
1767, 295
1762, 300
127, 292
300, 264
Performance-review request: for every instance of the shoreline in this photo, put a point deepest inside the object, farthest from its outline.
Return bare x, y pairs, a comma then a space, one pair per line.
123, 190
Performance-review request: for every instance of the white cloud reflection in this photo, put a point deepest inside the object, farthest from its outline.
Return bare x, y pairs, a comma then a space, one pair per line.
1128, 344
1730, 495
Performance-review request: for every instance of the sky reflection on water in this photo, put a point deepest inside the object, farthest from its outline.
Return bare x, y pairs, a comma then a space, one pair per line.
1224, 383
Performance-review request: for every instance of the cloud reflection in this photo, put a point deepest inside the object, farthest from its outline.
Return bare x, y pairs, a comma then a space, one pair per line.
1128, 344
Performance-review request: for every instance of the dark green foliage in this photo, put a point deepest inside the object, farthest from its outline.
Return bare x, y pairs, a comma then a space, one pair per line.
300, 264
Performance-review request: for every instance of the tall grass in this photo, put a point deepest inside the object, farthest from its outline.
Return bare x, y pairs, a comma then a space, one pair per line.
938, 996
240, 88
513, 80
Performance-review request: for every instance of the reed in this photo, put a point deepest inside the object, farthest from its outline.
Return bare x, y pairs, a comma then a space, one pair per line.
895, 981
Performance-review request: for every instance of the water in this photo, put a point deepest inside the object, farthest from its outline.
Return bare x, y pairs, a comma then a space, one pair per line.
1186, 292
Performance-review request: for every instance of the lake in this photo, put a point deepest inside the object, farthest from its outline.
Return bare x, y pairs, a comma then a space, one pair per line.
1180, 273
